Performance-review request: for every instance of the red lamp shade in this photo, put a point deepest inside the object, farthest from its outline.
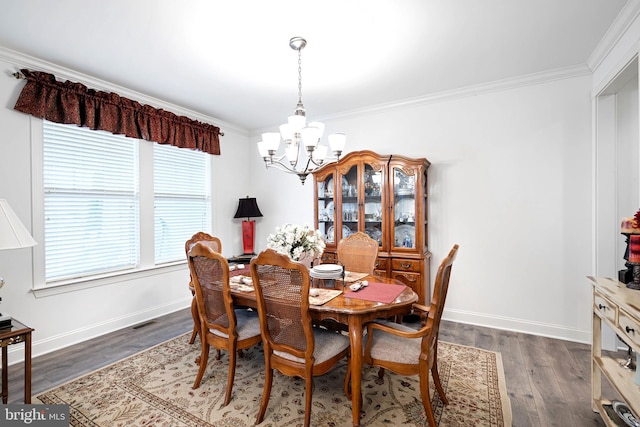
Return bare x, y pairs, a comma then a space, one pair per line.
248, 208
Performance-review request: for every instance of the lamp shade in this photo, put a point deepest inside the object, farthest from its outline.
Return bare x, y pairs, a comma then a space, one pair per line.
13, 233
248, 208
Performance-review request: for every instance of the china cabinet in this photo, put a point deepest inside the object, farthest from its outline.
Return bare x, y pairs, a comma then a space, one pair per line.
384, 196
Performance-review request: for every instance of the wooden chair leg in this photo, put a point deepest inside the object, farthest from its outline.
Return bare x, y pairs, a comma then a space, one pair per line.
307, 401
230, 376
204, 358
426, 398
196, 321
438, 384
347, 382
268, 379
436, 375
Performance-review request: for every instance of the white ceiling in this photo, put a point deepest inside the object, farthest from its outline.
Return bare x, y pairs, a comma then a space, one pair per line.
231, 59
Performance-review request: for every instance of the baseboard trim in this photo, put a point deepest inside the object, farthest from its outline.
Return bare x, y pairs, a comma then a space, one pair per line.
518, 325
57, 342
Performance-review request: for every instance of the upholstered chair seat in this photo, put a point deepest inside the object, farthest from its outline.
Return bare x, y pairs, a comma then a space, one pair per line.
247, 326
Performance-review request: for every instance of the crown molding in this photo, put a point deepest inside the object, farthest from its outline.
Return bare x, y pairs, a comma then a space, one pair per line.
468, 91
21, 60
618, 28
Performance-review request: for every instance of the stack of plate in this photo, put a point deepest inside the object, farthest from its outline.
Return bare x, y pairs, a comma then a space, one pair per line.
326, 271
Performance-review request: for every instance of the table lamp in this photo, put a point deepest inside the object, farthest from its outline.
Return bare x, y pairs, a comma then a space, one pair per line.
13, 235
248, 208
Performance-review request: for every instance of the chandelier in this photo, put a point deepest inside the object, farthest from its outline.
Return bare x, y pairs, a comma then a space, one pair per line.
303, 152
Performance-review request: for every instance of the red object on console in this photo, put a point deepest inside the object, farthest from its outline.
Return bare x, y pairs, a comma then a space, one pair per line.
248, 233
634, 248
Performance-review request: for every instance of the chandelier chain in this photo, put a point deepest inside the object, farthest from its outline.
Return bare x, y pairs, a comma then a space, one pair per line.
300, 76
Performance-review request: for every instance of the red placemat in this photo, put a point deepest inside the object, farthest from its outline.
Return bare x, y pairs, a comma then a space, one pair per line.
378, 292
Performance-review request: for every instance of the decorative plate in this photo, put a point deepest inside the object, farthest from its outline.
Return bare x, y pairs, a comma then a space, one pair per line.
346, 231
329, 210
374, 233
625, 413
329, 191
330, 234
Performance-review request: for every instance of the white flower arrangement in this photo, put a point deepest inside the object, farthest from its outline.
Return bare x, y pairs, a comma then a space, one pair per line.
296, 241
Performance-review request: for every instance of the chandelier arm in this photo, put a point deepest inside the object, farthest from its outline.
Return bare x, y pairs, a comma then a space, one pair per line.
277, 163
298, 143
313, 161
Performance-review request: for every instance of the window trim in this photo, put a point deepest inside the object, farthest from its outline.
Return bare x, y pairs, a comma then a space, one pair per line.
146, 268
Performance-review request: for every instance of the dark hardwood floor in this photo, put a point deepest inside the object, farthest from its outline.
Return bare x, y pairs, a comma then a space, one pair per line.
548, 380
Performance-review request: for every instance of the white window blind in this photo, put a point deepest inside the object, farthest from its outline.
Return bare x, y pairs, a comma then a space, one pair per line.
91, 202
182, 199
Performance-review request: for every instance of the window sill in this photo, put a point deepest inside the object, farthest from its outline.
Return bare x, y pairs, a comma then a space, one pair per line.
94, 281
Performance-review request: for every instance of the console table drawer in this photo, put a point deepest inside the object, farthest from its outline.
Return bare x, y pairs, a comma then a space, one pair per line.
605, 308
629, 326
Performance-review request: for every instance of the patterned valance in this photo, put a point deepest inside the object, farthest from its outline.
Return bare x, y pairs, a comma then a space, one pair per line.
73, 103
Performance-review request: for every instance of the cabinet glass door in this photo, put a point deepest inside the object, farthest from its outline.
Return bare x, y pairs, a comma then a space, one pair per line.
373, 203
349, 192
404, 209
326, 209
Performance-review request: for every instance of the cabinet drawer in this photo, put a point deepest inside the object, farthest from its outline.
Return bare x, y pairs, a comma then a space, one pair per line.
605, 308
630, 327
405, 265
381, 264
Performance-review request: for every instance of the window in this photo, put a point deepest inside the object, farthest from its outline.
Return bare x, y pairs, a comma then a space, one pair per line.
181, 193
94, 186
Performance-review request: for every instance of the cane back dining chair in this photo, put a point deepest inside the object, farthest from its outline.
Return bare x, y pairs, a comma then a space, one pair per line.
221, 326
291, 345
215, 244
407, 351
358, 253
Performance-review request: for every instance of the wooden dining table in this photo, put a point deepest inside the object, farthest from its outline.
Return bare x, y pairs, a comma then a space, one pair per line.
355, 313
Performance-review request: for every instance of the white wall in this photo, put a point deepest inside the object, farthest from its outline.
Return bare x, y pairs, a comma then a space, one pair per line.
63, 319
510, 181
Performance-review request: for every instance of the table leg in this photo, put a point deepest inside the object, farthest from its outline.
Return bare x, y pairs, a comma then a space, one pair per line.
27, 368
5, 377
355, 338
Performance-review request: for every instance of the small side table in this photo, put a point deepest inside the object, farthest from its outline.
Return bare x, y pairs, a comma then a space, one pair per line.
15, 334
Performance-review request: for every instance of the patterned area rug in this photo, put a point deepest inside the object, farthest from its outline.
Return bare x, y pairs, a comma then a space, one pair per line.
153, 388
